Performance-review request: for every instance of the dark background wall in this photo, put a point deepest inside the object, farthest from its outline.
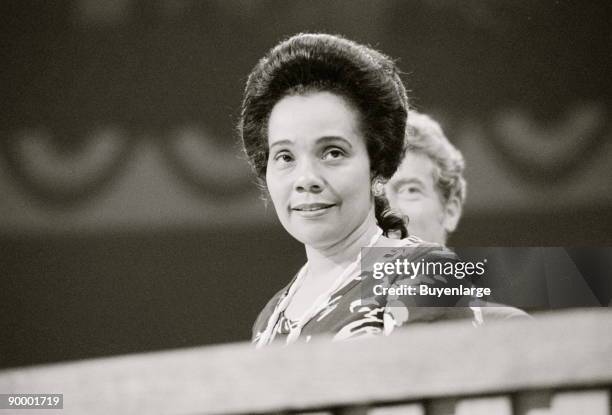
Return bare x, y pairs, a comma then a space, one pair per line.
128, 220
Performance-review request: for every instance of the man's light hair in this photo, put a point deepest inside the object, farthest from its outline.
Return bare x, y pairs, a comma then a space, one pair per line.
425, 136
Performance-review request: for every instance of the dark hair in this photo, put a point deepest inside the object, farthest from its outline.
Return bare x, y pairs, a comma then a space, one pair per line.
320, 62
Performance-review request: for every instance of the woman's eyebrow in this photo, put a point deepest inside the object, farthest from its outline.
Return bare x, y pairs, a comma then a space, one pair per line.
281, 143
332, 138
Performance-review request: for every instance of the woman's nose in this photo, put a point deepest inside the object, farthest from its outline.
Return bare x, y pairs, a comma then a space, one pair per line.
308, 179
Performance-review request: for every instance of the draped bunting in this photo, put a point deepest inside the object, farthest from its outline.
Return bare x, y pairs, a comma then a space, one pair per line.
133, 105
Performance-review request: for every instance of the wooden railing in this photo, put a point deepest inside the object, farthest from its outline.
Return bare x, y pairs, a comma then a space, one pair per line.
554, 364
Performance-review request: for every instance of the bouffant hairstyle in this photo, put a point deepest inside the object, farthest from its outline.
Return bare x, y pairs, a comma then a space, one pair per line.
368, 79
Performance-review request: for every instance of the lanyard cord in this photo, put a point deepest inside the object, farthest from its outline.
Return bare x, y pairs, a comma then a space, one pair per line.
270, 332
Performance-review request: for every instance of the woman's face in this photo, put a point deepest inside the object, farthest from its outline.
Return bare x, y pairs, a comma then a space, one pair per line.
318, 171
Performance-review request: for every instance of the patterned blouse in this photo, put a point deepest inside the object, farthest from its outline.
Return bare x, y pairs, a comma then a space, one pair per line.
353, 311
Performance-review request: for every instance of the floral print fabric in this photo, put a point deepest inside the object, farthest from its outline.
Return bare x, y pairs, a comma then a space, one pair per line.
353, 312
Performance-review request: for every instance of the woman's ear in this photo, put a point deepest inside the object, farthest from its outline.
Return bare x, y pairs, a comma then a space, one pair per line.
378, 187
452, 214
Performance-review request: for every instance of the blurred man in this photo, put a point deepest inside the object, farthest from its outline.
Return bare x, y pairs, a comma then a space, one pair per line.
428, 187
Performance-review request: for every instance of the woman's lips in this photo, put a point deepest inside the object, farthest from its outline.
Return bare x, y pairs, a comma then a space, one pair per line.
310, 210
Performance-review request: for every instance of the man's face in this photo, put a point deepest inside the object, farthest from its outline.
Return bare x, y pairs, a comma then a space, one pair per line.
412, 192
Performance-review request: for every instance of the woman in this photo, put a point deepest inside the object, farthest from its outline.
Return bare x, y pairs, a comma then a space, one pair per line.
323, 122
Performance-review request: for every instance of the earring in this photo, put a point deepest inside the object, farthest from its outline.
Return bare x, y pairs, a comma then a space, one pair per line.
378, 188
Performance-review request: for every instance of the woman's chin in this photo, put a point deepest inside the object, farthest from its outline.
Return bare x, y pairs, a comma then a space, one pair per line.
317, 239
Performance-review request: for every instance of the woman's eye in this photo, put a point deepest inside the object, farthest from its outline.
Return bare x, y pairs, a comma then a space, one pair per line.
283, 157
333, 154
